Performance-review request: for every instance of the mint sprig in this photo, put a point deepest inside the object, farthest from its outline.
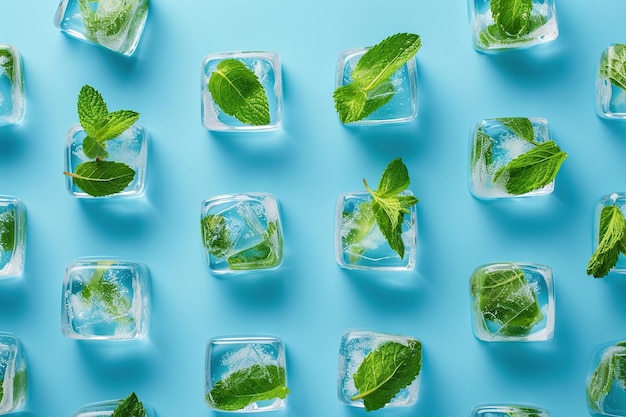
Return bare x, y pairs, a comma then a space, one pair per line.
108, 295
612, 366
388, 206
506, 298
371, 88
7, 230
130, 407
611, 242
248, 385
238, 92
613, 65
100, 178
385, 371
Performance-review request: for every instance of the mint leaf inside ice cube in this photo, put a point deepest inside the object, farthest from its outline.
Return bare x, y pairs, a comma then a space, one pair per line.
248, 385
611, 242
7, 230
7, 62
102, 178
107, 293
613, 65
506, 298
370, 87
238, 92
385, 371
512, 16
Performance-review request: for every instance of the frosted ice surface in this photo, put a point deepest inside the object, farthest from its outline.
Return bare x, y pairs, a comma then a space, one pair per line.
247, 356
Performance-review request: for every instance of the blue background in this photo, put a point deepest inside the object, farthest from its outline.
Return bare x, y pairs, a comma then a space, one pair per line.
310, 301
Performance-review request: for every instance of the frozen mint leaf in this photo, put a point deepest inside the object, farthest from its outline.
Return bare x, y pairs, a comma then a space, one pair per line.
7, 230
108, 18
92, 110
130, 407
356, 226
370, 88
599, 385
102, 178
94, 149
215, 235
385, 371
506, 298
388, 206
7, 63
512, 16
247, 386
521, 126
116, 124
613, 65
611, 242
262, 255
494, 35
238, 92
531, 170
483, 147
108, 295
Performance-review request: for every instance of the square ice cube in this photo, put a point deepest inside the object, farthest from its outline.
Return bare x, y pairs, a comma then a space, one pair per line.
360, 349
610, 92
12, 98
267, 69
618, 200
130, 148
113, 24
12, 236
106, 408
508, 411
105, 299
606, 380
241, 232
538, 25
359, 243
494, 143
13, 374
242, 365
512, 302
401, 108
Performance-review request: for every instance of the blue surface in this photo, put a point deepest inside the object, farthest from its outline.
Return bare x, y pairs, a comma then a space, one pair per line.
312, 159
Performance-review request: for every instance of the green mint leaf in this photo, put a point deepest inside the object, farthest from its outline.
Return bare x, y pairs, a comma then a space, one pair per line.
388, 206
247, 386
238, 92
358, 224
92, 110
116, 124
94, 149
370, 88
7, 231
130, 407
599, 385
493, 35
109, 17
505, 297
102, 178
215, 235
107, 293
512, 16
483, 147
262, 255
385, 371
521, 126
611, 242
7, 62
613, 65
531, 170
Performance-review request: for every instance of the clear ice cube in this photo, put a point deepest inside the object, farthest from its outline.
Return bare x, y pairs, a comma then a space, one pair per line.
116, 25
12, 98
226, 356
242, 232
106, 408
509, 411
12, 236
610, 91
618, 200
606, 382
105, 299
13, 374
